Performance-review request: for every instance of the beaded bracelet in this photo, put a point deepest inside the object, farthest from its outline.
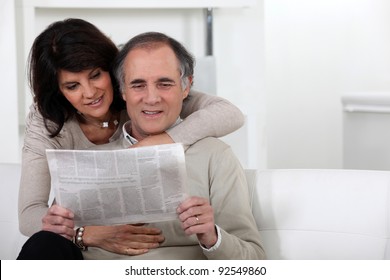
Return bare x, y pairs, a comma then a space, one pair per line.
78, 239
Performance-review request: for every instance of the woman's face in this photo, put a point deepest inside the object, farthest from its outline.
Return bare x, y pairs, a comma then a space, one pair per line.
89, 91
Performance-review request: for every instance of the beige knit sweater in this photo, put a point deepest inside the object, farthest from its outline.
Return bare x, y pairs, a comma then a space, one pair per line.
213, 172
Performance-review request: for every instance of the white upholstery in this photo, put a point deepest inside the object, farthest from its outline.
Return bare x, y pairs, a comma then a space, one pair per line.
323, 214
301, 214
11, 240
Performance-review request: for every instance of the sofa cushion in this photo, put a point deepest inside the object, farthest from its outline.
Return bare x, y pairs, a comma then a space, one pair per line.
10, 237
324, 214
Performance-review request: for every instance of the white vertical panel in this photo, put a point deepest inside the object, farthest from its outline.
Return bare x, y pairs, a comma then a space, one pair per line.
366, 130
9, 140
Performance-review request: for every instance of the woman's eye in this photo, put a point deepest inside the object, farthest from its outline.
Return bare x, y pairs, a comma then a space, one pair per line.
95, 75
71, 87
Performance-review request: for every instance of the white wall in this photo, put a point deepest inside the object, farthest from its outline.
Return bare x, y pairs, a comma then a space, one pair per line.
284, 63
9, 145
238, 49
315, 50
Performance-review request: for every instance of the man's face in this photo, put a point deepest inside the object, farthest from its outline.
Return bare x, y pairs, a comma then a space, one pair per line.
153, 91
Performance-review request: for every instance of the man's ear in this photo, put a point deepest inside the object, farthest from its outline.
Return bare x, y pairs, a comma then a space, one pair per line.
188, 88
124, 96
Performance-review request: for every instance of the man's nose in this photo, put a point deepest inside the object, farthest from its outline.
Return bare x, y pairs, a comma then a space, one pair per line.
152, 96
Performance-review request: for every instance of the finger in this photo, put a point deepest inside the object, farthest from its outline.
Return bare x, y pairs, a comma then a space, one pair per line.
133, 252
58, 220
207, 217
60, 211
143, 230
144, 238
190, 202
199, 228
59, 229
191, 222
190, 213
143, 245
195, 229
196, 211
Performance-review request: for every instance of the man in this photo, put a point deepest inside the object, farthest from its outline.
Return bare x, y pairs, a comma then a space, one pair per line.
155, 74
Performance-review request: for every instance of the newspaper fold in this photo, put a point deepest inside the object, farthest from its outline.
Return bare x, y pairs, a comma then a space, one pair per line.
103, 187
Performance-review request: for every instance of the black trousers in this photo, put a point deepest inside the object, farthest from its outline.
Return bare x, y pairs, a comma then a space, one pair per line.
46, 245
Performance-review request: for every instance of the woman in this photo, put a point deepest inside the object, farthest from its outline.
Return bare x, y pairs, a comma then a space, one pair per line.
77, 105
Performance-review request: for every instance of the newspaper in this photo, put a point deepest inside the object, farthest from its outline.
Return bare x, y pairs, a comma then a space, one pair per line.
103, 187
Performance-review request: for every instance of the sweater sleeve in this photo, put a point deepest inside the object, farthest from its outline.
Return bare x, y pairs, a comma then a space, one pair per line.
205, 115
34, 189
229, 197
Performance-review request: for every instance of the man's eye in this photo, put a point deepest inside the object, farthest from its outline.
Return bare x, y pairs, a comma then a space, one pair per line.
165, 85
138, 87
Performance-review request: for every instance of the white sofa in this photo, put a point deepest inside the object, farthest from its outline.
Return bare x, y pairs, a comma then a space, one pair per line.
323, 214
11, 240
301, 214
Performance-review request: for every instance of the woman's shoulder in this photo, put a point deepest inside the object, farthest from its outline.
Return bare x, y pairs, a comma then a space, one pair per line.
37, 134
34, 120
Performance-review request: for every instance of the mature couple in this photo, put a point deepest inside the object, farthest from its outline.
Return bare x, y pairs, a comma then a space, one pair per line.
153, 74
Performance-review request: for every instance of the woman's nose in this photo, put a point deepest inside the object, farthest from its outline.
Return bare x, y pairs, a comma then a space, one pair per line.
89, 91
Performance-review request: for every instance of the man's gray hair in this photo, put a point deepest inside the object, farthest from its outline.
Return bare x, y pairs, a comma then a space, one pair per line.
150, 40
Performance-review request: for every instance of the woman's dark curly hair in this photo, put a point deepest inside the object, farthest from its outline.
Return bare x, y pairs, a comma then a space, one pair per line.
73, 45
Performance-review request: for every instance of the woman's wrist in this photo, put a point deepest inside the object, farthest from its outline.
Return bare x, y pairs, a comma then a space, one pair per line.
94, 236
88, 236
79, 239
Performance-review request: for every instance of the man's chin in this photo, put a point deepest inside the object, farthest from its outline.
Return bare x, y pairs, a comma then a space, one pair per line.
154, 131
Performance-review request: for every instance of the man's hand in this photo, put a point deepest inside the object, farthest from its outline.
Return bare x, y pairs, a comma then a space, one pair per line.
197, 217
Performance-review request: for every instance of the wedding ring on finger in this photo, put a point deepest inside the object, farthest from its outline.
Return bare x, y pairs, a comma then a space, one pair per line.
197, 219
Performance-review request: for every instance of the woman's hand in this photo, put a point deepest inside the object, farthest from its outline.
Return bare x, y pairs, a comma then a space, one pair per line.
59, 220
197, 217
157, 139
123, 239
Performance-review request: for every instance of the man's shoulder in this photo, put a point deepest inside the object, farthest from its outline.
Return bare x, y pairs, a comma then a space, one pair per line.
210, 154
209, 144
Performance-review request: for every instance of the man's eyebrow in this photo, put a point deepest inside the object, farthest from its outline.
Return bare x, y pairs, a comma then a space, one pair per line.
137, 81
165, 79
